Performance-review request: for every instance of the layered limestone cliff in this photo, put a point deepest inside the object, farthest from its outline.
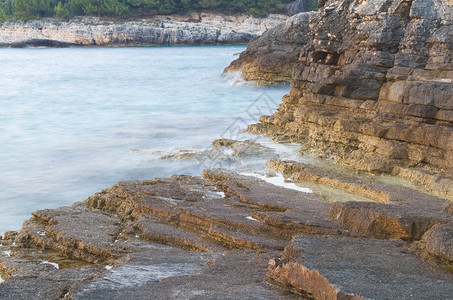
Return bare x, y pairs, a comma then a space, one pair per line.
271, 58
194, 29
372, 88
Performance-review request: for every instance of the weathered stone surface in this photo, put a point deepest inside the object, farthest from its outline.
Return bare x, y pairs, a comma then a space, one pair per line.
200, 238
231, 275
212, 237
372, 86
399, 212
76, 232
437, 243
271, 58
348, 268
194, 29
31, 276
362, 186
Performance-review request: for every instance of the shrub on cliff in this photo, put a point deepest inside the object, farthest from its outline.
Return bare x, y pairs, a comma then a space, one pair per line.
32, 9
3, 16
35, 9
5, 10
97, 7
61, 12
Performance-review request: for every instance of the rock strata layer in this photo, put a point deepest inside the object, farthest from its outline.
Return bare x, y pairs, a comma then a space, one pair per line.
221, 235
194, 29
271, 58
372, 87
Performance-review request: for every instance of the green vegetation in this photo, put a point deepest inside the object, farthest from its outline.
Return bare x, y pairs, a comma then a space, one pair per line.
3, 16
63, 9
5, 10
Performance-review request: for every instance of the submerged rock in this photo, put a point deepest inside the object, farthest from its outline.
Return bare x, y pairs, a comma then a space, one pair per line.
227, 153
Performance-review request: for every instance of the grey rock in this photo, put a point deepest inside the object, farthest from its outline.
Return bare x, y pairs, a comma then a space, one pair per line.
299, 6
331, 267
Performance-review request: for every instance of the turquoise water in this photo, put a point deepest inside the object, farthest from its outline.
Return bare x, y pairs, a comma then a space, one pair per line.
75, 121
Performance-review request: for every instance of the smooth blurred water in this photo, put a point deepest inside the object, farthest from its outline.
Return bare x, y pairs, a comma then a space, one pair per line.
75, 121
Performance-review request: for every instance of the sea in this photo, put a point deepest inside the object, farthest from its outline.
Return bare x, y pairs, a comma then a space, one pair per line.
75, 121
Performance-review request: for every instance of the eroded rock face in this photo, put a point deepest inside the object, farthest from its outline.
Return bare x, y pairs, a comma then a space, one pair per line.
212, 237
203, 29
199, 234
372, 88
271, 58
345, 268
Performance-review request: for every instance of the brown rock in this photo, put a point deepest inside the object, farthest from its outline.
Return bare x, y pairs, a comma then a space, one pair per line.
348, 268
372, 88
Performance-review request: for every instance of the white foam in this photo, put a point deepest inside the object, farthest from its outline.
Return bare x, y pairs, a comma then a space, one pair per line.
251, 218
7, 253
228, 152
51, 263
279, 180
1, 279
222, 194
234, 78
108, 267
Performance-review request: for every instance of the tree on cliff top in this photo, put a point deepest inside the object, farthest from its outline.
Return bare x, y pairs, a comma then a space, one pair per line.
3, 16
35, 9
32, 9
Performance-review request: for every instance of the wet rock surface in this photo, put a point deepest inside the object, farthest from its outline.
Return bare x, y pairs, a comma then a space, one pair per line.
397, 211
217, 236
226, 150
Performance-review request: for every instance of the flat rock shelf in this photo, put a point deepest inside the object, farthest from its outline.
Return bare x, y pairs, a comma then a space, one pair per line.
227, 235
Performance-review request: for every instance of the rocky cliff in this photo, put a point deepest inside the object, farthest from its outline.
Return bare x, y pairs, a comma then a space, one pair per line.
271, 58
372, 87
194, 29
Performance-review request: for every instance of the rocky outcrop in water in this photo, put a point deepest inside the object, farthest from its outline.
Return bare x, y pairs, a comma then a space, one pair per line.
271, 58
195, 29
372, 87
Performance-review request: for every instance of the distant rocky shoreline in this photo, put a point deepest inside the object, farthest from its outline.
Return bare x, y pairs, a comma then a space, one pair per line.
193, 29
